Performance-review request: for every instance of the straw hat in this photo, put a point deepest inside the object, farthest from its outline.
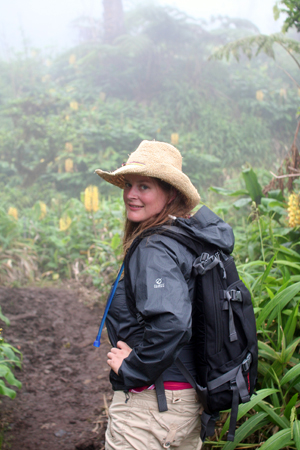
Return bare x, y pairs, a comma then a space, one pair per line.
159, 160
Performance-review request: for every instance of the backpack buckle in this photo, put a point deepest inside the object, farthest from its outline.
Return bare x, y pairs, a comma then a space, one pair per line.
224, 256
232, 384
247, 362
140, 319
235, 295
201, 263
204, 257
207, 262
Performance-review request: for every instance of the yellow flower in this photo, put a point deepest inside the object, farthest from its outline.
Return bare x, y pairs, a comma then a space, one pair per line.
72, 59
174, 138
282, 92
91, 198
259, 96
67, 118
69, 165
13, 212
46, 78
74, 105
43, 208
294, 210
69, 147
64, 223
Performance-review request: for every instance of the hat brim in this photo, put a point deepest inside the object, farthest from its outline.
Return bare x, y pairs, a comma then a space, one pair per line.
175, 178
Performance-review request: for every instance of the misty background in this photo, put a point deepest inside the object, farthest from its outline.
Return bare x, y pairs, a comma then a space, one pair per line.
52, 24
82, 83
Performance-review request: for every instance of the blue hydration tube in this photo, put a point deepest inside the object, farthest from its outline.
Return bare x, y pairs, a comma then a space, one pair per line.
97, 341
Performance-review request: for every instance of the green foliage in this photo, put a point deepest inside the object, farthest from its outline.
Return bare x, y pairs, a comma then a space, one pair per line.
95, 103
37, 245
279, 364
269, 258
252, 194
292, 10
8, 361
17, 256
252, 185
257, 44
90, 249
261, 43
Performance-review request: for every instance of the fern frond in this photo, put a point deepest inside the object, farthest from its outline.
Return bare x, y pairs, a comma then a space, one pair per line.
253, 45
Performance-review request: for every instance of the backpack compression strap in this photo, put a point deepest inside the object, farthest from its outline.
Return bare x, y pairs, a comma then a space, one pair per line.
238, 387
208, 420
161, 394
239, 390
228, 297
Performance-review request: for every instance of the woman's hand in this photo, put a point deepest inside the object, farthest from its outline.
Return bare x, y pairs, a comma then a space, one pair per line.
116, 356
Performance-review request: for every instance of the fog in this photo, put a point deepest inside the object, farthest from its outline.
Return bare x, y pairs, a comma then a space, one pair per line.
41, 23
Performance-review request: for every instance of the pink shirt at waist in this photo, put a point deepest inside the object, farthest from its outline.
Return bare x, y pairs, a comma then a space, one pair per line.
169, 385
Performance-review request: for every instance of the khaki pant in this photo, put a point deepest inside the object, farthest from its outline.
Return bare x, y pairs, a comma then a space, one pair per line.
137, 424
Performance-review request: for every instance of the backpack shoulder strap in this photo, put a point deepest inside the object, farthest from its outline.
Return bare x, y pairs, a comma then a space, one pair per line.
171, 231
180, 236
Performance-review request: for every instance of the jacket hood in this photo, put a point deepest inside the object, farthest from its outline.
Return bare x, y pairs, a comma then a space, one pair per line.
206, 226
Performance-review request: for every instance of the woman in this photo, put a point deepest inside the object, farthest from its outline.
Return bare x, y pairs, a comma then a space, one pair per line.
155, 189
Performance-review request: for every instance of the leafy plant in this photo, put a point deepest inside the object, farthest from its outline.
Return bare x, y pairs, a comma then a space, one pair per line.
270, 267
17, 256
9, 359
64, 116
292, 9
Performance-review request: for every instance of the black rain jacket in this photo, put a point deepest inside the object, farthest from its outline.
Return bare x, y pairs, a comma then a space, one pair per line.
160, 270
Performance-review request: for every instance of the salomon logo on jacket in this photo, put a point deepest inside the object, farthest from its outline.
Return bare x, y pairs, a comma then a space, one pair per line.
159, 283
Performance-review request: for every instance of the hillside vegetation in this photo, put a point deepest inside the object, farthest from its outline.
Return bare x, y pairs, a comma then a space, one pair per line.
63, 116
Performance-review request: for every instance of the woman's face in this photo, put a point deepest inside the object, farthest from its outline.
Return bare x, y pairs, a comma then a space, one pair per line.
143, 197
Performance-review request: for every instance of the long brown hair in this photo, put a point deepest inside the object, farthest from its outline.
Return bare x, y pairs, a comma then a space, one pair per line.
177, 207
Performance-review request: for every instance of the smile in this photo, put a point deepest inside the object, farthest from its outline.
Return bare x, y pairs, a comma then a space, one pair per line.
135, 207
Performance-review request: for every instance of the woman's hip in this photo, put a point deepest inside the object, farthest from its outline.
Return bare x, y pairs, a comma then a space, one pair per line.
136, 423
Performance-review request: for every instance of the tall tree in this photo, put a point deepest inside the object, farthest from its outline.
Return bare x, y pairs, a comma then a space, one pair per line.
113, 19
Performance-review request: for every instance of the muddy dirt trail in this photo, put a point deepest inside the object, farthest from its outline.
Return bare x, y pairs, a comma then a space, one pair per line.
63, 401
